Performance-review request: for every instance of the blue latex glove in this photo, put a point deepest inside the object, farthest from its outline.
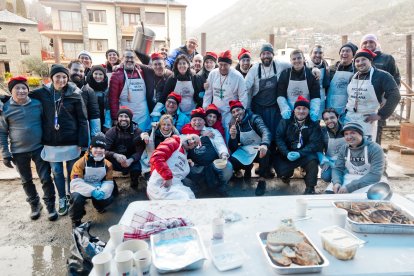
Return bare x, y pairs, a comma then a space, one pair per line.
286, 114
98, 194
324, 160
293, 155
201, 94
315, 105
314, 116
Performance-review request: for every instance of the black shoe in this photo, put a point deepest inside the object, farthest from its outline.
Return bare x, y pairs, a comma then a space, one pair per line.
285, 180
261, 188
53, 215
309, 191
223, 193
247, 174
36, 208
101, 211
329, 192
269, 175
76, 223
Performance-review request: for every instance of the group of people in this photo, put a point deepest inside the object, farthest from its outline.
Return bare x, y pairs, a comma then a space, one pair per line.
188, 123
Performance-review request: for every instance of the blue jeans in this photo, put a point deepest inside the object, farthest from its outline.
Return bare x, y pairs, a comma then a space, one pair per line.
327, 175
59, 177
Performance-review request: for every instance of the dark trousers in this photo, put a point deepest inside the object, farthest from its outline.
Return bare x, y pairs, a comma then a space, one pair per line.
22, 161
380, 127
134, 170
285, 168
77, 205
264, 164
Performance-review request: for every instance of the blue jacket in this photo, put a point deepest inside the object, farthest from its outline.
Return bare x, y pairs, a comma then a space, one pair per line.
180, 119
175, 53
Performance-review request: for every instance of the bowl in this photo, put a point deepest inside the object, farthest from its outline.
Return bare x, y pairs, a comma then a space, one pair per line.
379, 191
220, 163
133, 245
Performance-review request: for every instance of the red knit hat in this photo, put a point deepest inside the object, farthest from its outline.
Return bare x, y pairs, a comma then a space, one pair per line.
16, 80
212, 108
155, 56
244, 53
365, 53
234, 104
198, 112
210, 55
302, 101
176, 97
225, 57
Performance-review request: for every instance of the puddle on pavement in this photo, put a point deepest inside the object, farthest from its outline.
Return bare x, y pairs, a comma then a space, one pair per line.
33, 260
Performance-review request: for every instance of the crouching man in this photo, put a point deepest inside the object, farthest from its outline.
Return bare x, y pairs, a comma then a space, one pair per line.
169, 166
91, 177
249, 142
360, 163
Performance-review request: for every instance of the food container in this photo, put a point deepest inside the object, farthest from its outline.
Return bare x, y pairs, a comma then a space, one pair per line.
227, 256
133, 245
293, 268
340, 243
220, 163
178, 249
378, 228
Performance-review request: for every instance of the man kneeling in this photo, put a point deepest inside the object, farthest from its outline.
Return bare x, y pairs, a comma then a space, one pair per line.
91, 177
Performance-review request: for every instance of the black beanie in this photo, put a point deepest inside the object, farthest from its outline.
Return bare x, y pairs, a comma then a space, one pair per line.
58, 68
126, 110
351, 45
99, 141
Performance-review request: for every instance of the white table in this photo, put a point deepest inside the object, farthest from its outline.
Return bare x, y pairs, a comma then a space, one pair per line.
383, 254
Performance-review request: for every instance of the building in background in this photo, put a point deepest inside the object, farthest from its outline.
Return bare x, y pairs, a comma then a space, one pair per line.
96, 25
19, 38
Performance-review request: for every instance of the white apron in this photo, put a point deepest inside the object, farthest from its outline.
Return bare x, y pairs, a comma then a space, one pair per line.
60, 153
247, 152
361, 95
337, 91
137, 101
322, 92
334, 144
186, 90
222, 94
180, 168
296, 89
94, 175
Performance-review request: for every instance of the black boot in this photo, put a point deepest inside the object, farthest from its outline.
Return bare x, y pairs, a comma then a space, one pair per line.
36, 208
309, 191
134, 179
261, 188
53, 215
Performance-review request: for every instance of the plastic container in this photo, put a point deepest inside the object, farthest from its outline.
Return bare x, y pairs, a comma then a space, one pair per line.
227, 256
220, 163
340, 243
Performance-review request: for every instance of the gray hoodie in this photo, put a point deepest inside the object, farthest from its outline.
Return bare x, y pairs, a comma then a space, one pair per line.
375, 158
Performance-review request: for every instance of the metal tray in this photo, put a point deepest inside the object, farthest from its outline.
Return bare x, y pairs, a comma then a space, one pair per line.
178, 249
380, 228
293, 268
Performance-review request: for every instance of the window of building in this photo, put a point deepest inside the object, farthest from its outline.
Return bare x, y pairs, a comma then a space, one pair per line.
99, 45
97, 16
71, 48
24, 48
127, 43
3, 47
131, 19
70, 21
155, 18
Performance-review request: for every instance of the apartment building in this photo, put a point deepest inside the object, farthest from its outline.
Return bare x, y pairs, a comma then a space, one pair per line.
97, 25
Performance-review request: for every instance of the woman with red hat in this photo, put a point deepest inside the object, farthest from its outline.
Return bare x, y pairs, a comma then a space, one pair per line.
213, 118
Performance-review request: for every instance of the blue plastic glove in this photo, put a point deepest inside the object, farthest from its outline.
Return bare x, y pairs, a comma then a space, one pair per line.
286, 114
314, 116
293, 155
315, 105
324, 160
98, 194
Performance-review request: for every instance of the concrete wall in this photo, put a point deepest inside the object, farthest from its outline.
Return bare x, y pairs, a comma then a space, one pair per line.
12, 34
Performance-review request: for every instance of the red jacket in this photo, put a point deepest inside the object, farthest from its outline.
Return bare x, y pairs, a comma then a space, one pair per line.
188, 129
162, 153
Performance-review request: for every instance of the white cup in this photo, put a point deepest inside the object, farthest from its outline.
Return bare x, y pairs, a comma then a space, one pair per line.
102, 264
142, 260
116, 232
218, 228
339, 216
301, 207
124, 261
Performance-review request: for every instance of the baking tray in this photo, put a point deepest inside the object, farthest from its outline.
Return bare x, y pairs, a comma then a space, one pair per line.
293, 268
380, 228
178, 249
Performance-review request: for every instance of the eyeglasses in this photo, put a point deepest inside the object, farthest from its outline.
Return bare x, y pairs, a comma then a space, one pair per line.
127, 58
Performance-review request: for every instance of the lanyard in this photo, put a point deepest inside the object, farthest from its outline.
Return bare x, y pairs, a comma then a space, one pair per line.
221, 86
57, 109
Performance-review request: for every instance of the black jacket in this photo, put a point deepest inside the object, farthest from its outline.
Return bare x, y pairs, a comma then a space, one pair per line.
283, 82
172, 81
387, 63
250, 121
91, 102
124, 141
287, 137
72, 117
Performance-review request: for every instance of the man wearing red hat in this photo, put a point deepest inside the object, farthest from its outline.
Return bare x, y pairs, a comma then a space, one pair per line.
21, 124
211, 147
160, 78
366, 93
298, 140
225, 84
249, 142
172, 108
244, 65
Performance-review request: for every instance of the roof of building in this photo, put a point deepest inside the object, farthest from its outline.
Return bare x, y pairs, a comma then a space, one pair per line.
147, 2
9, 17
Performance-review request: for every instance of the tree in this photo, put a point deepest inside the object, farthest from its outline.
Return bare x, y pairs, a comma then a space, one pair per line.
36, 65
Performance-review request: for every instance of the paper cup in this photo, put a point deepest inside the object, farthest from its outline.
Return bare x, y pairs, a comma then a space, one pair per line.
116, 232
124, 260
339, 216
102, 264
301, 207
142, 260
218, 228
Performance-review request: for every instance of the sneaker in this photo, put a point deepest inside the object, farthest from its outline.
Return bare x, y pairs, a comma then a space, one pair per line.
261, 188
329, 192
63, 206
76, 223
36, 208
238, 174
309, 191
285, 180
53, 215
